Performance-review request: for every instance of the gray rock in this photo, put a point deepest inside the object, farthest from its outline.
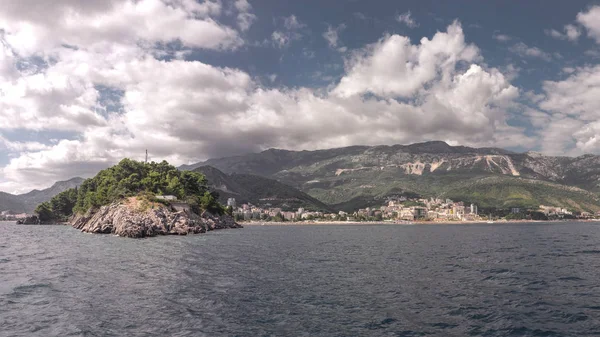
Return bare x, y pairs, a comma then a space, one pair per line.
30, 220
126, 221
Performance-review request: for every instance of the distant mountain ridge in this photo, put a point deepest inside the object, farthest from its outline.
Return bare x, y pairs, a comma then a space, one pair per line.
341, 175
26, 203
358, 176
258, 190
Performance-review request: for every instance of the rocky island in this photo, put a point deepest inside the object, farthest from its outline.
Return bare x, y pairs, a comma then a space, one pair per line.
131, 218
137, 200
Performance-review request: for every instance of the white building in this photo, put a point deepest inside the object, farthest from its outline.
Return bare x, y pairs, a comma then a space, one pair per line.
166, 197
474, 209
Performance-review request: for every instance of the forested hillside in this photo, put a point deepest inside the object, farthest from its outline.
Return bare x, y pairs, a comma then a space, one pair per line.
131, 178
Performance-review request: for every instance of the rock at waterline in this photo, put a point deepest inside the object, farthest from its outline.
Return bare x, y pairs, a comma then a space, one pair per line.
30, 220
128, 220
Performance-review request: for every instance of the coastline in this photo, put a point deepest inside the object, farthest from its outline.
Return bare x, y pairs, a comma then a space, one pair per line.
412, 223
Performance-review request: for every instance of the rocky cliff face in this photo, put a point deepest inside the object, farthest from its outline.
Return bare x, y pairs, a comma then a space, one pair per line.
124, 220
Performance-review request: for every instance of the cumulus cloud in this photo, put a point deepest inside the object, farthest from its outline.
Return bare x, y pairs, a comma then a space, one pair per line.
407, 19
574, 111
76, 39
591, 21
524, 50
97, 23
186, 110
12, 146
576, 95
394, 67
572, 33
245, 18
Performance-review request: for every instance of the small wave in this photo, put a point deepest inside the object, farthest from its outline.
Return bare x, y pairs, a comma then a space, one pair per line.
520, 331
570, 278
507, 249
479, 316
379, 325
578, 317
591, 251
409, 333
462, 310
442, 325
537, 282
24, 290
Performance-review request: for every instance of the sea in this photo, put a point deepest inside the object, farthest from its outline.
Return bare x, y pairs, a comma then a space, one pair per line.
527, 279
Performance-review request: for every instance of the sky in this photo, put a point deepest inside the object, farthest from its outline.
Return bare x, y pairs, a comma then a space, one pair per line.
84, 84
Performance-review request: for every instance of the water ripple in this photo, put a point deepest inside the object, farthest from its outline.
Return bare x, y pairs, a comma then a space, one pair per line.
501, 280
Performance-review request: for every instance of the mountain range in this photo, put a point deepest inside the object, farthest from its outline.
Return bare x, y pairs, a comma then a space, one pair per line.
26, 203
259, 191
359, 176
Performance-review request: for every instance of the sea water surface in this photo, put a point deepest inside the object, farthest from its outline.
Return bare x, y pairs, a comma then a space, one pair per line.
372, 280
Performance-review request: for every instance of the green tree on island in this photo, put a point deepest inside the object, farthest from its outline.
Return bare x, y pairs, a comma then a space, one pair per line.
127, 179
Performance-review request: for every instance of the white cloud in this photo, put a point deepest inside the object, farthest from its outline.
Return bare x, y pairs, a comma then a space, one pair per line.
524, 50
281, 39
332, 35
591, 21
307, 53
592, 53
576, 95
84, 43
19, 147
511, 71
572, 33
245, 19
242, 5
554, 33
97, 23
8, 70
407, 19
292, 23
574, 111
394, 67
502, 37
185, 111
289, 32
49, 100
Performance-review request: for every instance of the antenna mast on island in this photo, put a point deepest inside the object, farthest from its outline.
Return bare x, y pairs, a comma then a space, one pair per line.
146, 156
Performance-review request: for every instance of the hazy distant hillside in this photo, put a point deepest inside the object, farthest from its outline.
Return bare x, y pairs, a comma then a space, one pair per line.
28, 201
258, 190
10, 202
361, 175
